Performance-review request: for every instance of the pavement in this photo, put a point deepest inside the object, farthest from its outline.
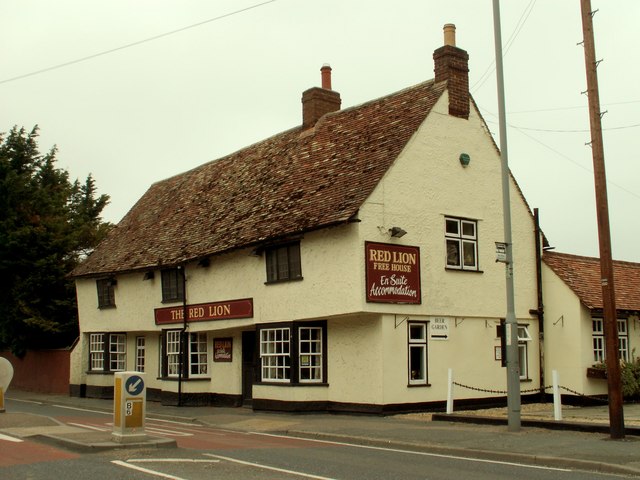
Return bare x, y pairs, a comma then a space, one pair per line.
581, 440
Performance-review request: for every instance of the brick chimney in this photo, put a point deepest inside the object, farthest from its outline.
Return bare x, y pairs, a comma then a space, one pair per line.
317, 102
452, 65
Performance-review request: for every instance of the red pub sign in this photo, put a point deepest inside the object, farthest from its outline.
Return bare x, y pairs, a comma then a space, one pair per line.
229, 310
393, 273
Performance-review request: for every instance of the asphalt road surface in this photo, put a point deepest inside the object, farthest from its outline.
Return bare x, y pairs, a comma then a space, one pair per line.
216, 454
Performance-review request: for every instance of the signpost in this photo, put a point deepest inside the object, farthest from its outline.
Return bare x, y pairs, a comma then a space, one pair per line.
129, 407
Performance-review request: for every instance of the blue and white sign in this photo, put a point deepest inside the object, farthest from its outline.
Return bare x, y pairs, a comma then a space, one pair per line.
134, 385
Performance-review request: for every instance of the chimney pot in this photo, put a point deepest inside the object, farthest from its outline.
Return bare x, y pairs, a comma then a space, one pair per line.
326, 76
450, 34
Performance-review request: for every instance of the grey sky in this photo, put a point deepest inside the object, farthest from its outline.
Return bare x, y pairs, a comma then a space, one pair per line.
147, 112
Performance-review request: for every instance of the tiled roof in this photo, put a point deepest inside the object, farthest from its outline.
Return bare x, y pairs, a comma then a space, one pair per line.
582, 275
296, 181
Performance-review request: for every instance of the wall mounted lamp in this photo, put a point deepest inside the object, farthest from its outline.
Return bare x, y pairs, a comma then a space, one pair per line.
464, 159
148, 275
204, 262
397, 232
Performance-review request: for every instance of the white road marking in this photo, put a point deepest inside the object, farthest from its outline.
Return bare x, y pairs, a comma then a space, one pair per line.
266, 467
424, 454
170, 433
145, 470
10, 439
90, 427
83, 409
24, 401
172, 460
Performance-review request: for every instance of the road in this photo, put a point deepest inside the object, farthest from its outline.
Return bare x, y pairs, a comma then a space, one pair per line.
210, 453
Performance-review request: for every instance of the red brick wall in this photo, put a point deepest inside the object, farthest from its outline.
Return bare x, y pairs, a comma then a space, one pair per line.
45, 371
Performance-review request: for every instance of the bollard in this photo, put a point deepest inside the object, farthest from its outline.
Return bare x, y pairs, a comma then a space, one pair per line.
557, 399
129, 407
450, 392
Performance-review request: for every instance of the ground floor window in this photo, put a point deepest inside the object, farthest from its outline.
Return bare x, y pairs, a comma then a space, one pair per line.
195, 354
107, 352
524, 338
293, 353
599, 354
417, 340
140, 354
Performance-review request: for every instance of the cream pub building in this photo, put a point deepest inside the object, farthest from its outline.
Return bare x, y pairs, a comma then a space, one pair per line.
343, 265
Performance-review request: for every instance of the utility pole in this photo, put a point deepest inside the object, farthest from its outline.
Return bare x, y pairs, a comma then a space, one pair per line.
511, 325
616, 417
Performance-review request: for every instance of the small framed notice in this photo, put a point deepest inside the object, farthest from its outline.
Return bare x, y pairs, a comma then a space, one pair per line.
223, 349
497, 352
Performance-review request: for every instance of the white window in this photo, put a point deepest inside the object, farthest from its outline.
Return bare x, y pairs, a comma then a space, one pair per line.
198, 357
96, 351
417, 353
461, 243
523, 351
107, 352
275, 355
173, 353
310, 354
140, 354
117, 352
599, 354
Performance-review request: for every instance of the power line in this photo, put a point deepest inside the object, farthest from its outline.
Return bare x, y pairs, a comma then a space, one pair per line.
569, 108
133, 44
516, 31
549, 130
557, 152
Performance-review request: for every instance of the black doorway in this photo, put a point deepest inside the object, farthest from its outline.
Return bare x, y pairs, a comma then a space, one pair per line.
248, 366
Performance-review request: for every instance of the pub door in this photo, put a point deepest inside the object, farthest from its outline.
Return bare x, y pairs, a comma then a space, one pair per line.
249, 359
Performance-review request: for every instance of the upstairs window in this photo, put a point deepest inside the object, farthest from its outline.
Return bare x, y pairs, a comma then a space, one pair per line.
461, 239
106, 292
172, 285
283, 263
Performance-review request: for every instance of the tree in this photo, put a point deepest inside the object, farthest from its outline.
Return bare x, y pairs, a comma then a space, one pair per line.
47, 225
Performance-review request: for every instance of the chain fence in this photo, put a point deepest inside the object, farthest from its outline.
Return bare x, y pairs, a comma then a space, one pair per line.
532, 390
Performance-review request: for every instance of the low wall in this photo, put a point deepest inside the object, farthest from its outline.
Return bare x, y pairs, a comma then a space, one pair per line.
44, 371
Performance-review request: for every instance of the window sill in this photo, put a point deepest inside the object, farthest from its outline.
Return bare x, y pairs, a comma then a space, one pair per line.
414, 385
106, 307
525, 380
102, 372
272, 282
173, 300
291, 384
450, 269
184, 379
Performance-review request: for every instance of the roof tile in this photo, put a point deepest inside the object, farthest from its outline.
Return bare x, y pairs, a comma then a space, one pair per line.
296, 181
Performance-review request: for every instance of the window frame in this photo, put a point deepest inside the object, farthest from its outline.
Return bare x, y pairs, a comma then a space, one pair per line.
462, 240
598, 343
172, 285
106, 292
170, 357
283, 262
421, 344
109, 354
524, 338
287, 359
141, 353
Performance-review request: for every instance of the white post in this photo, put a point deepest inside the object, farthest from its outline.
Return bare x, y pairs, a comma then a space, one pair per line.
557, 400
450, 392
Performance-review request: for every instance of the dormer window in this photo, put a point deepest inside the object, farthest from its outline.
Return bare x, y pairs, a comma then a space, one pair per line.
283, 263
172, 285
